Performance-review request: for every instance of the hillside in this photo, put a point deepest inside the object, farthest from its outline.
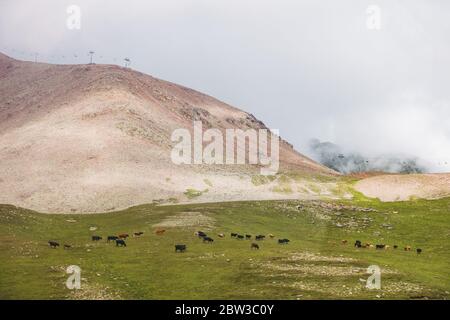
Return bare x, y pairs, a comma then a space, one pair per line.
94, 138
396, 187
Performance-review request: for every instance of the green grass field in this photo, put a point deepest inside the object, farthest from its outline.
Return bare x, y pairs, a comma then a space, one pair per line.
315, 265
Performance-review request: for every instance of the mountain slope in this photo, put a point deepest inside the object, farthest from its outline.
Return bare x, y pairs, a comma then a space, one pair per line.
90, 138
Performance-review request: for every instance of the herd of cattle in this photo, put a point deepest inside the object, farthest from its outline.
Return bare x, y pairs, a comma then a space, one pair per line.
202, 235
359, 244
120, 241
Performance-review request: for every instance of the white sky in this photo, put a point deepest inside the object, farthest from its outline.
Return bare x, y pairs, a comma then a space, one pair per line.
309, 68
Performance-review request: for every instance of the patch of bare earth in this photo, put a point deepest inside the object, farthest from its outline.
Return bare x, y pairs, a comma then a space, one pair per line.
332, 276
186, 219
404, 187
93, 292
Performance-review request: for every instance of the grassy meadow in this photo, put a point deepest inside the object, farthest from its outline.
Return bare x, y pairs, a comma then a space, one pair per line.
314, 265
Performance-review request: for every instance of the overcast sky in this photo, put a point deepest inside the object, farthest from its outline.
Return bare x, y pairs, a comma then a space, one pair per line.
313, 69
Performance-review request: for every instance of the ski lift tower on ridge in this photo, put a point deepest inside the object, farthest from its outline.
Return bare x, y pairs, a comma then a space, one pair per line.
127, 62
91, 53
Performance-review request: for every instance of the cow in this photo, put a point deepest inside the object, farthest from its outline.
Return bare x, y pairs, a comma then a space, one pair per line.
344, 241
254, 246
160, 232
358, 244
419, 251
111, 238
120, 243
234, 235
53, 244
67, 246
96, 238
240, 237
283, 241
201, 234
380, 246
138, 234
408, 248
180, 248
260, 237
395, 246
221, 235
248, 236
271, 236
123, 236
208, 239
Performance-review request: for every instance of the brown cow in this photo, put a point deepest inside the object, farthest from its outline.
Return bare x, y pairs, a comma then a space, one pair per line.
344, 241
254, 246
123, 236
160, 232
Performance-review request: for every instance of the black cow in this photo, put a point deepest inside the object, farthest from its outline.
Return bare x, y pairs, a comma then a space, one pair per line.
67, 246
112, 238
234, 235
283, 241
96, 238
120, 243
53, 244
358, 244
260, 237
180, 247
395, 246
419, 251
240, 237
254, 246
208, 239
201, 234
248, 236
380, 246
138, 234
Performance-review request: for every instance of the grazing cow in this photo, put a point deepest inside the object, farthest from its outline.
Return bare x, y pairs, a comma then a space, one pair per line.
67, 246
208, 239
380, 246
344, 241
201, 234
221, 235
271, 236
408, 248
254, 246
180, 248
123, 236
260, 237
53, 244
96, 238
240, 237
160, 232
234, 235
283, 241
358, 244
138, 234
248, 236
395, 246
386, 247
419, 251
111, 238
120, 243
